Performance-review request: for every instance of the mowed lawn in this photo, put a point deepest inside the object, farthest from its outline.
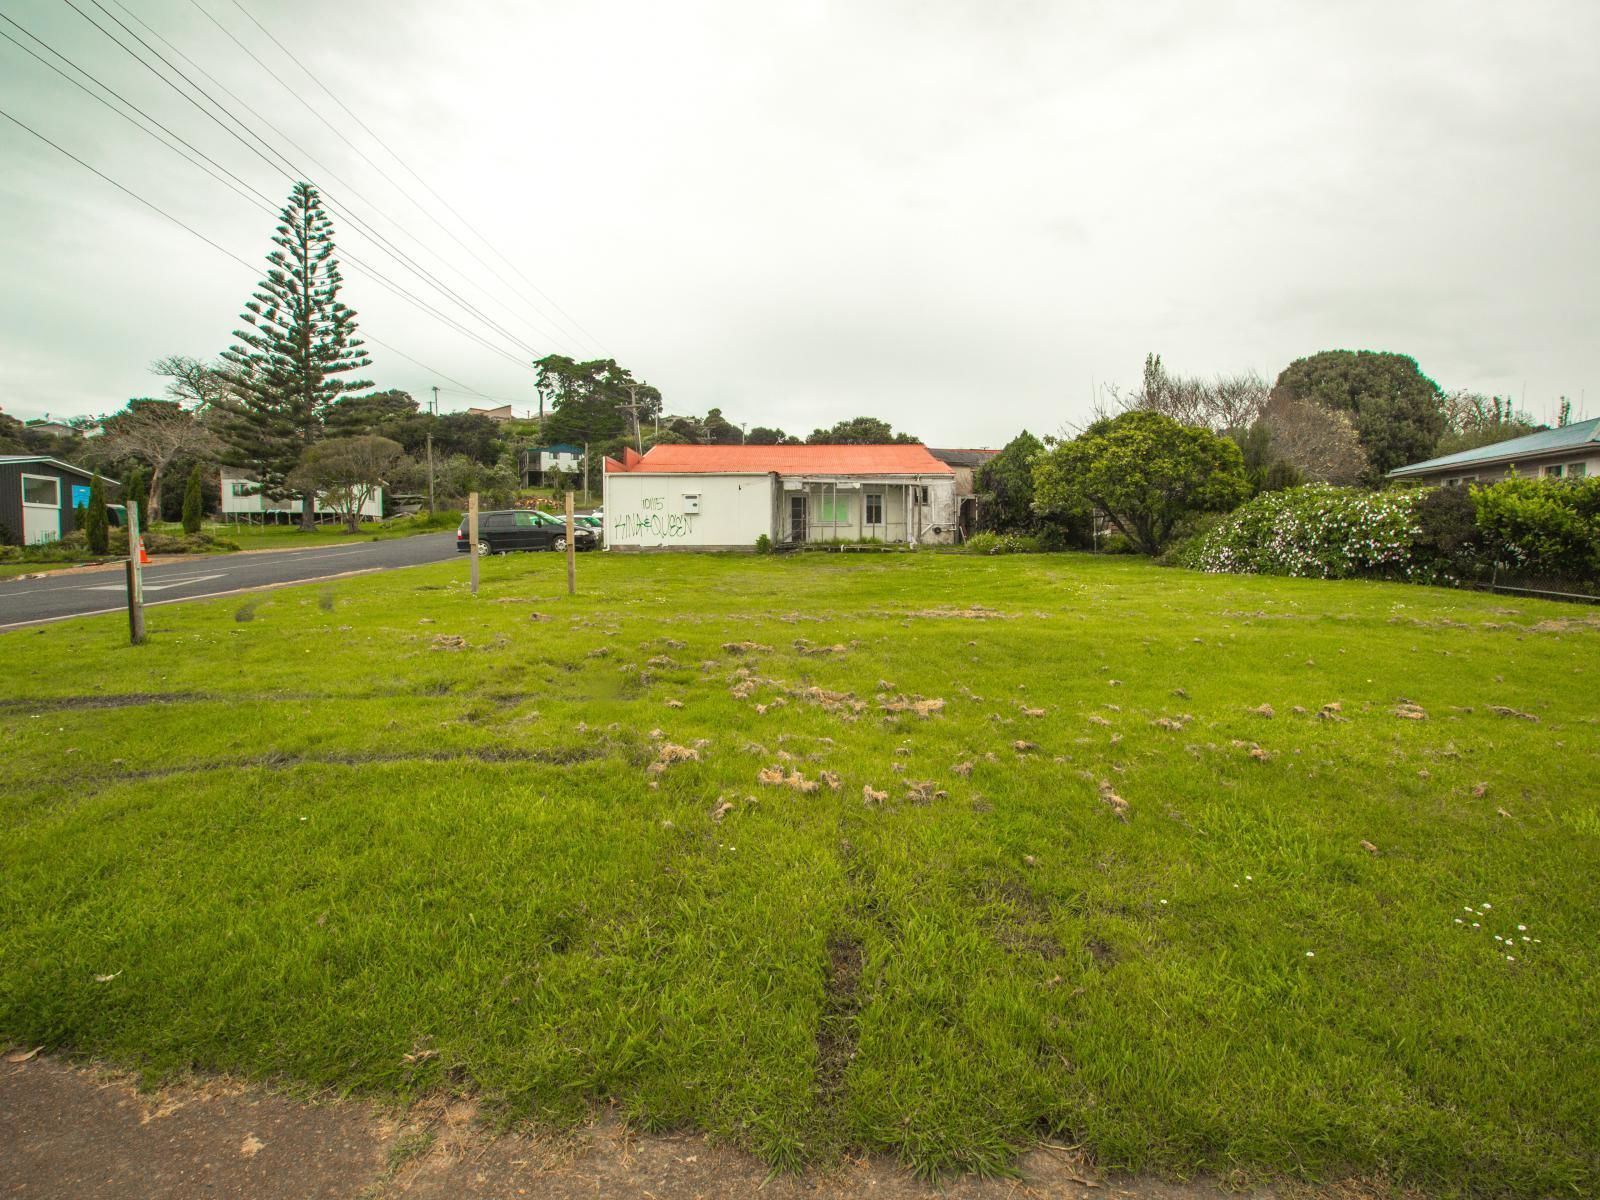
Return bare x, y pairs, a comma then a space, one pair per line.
1092, 897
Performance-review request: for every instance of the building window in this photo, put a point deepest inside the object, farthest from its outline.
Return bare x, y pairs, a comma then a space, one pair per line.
1553, 471
41, 490
1577, 470
921, 494
874, 508
835, 510
239, 487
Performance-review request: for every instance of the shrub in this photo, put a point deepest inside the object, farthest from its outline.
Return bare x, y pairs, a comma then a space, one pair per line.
1116, 543
94, 525
1546, 528
191, 502
1316, 531
763, 544
1001, 543
1448, 539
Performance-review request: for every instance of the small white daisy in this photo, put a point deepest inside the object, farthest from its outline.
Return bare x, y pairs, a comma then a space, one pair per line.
1488, 906
1311, 953
1520, 928
1510, 959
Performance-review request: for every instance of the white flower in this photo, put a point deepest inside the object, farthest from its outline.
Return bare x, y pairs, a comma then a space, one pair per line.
1510, 959
1311, 953
1487, 905
1475, 925
1163, 902
1520, 928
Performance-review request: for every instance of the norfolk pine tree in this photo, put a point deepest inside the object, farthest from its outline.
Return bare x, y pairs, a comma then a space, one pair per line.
289, 359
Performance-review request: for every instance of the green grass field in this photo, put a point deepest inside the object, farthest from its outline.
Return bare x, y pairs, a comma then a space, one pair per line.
383, 836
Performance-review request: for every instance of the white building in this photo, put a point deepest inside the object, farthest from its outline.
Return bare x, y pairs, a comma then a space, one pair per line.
243, 503
725, 497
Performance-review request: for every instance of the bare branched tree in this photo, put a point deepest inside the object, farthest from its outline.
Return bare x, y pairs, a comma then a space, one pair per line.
194, 383
1228, 403
1321, 442
156, 432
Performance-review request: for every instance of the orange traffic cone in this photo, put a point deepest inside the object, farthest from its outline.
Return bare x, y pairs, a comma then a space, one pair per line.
144, 559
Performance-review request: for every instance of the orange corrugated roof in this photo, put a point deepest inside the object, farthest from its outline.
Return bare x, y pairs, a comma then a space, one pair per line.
787, 460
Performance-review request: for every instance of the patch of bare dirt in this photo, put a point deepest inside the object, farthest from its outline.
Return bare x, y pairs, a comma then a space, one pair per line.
79, 1133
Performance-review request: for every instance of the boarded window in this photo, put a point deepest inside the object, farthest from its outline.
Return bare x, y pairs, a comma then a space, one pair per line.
41, 489
835, 510
874, 508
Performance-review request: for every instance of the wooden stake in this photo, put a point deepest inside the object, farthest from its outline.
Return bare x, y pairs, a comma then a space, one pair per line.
572, 552
135, 579
472, 535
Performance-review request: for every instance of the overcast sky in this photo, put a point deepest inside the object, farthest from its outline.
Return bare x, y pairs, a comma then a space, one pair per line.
955, 216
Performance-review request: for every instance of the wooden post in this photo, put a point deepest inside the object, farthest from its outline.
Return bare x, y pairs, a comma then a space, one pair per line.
572, 552
135, 579
472, 535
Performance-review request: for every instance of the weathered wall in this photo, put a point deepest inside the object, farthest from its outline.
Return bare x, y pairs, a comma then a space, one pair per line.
1533, 469
648, 511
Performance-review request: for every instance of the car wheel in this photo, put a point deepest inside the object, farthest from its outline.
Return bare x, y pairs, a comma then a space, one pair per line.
483, 548
559, 544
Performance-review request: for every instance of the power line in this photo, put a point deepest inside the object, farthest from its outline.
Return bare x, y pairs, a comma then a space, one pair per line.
215, 246
548, 330
571, 320
283, 165
152, 207
265, 204
239, 186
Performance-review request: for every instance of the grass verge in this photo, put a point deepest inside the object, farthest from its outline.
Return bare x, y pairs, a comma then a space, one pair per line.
926, 854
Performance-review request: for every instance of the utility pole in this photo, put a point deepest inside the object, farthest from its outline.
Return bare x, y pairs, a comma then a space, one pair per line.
430, 476
743, 437
586, 474
632, 408
472, 533
436, 400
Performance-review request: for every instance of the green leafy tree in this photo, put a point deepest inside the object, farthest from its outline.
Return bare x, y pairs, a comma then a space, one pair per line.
720, 431
192, 512
1005, 488
859, 431
291, 359
347, 472
95, 524
351, 415
764, 435
1399, 413
590, 400
1145, 473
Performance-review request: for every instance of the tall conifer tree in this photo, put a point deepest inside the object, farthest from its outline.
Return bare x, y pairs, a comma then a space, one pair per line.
294, 352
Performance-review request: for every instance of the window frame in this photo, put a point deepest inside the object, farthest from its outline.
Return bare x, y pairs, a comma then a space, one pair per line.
53, 480
869, 501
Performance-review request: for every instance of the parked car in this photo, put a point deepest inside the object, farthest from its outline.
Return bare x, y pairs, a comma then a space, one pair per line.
520, 529
595, 525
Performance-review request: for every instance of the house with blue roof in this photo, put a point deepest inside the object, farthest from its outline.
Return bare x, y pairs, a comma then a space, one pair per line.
1568, 452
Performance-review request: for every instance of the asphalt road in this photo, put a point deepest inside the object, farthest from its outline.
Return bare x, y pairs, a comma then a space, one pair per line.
84, 593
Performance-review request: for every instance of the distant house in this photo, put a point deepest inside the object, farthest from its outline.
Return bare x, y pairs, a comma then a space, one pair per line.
55, 429
503, 413
1569, 452
725, 497
540, 464
965, 464
243, 503
40, 496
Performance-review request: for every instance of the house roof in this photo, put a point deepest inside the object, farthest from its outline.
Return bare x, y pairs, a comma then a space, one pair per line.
962, 458
904, 459
1566, 438
14, 459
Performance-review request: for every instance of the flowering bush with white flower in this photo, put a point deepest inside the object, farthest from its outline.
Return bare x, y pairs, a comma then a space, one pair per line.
1318, 532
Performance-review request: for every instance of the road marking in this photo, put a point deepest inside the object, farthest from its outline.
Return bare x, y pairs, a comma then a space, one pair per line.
260, 587
154, 587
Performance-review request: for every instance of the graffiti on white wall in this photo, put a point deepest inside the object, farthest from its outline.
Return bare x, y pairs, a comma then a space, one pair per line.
652, 520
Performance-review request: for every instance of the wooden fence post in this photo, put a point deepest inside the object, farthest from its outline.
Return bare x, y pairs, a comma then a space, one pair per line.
572, 552
472, 534
135, 578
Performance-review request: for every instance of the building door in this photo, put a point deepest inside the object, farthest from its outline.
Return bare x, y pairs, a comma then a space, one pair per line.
797, 518
872, 520
41, 509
